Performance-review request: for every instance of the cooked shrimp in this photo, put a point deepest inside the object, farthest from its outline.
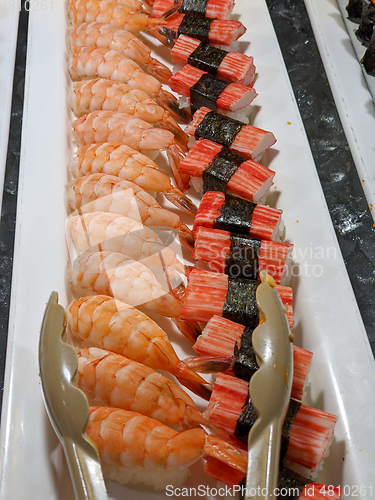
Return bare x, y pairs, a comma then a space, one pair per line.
104, 322
101, 94
105, 231
117, 275
90, 62
135, 448
110, 379
103, 126
110, 12
108, 193
121, 160
105, 36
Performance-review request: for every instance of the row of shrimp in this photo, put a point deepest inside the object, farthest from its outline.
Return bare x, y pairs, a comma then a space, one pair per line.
122, 264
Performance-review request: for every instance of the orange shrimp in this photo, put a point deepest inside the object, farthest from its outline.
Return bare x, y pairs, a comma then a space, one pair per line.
108, 193
136, 448
105, 36
109, 379
91, 62
118, 159
110, 12
104, 322
107, 95
103, 126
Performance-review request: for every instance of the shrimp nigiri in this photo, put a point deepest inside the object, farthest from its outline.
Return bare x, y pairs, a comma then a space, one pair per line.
105, 36
126, 163
135, 448
107, 95
109, 379
116, 233
109, 126
101, 321
90, 62
117, 275
110, 12
108, 193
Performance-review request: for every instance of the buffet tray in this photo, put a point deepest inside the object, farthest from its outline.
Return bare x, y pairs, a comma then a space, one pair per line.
327, 320
353, 90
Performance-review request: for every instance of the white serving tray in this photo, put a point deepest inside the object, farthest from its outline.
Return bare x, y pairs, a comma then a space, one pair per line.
327, 320
350, 86
9, 14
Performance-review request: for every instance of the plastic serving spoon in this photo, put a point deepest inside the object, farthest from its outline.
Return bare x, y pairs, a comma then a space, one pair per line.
67, 406
269, 390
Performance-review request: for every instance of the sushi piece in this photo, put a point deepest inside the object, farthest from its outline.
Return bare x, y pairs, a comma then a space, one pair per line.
229, 213
221, 169
243, 139
213, 294
240, 256
205, 90
218, 9
208, 30
354, 9
291, 486
366, 28
231, 66
306, 434
368, 59
134, 448
222, 338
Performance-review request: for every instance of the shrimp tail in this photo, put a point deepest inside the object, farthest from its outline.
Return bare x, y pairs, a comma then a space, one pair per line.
168, 101
170, 124
182, 180
165, 35
159, 70
192, 381
226, 453
190, 329
186, 237
172, 10
181, 201
209, 364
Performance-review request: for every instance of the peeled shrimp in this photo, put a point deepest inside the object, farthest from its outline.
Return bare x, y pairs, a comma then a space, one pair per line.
110, 379
104, 36
103, 126
105, 231
110, 12
101, 94
104, 322
135, 448
117, 275
108, 193
90, 62
123, 161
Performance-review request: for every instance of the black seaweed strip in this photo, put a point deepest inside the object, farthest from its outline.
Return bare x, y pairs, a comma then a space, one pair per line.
196, 26
191, 6
218, 173
242, 259
218, 128
368, 59
245, 421
354, 9
290, 482
206, 92
235, 216
207, 58
248, 417
245, 364
365, 30
240, 303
